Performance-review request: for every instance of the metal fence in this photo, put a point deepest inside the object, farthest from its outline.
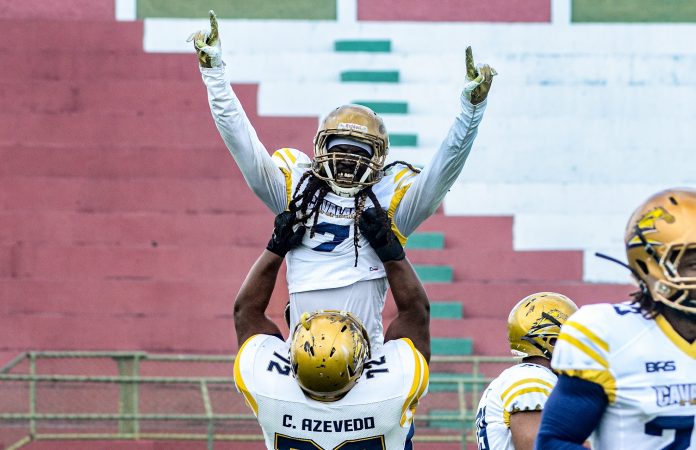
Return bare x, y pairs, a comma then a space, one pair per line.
68, 396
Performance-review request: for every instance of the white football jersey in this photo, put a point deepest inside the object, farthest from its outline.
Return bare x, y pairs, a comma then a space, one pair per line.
377, 412
327, 260
523, 387
647, 370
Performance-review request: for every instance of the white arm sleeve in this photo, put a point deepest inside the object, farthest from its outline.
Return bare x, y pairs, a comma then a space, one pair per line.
260, 172
430, 186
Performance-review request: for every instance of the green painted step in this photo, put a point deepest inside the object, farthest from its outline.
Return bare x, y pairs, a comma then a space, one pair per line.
634, 11
375, 46
371, 76
403, 140
445, 310
239, 9
454, 421
451, 346
384, 107
434, 274
425, 240
448, 382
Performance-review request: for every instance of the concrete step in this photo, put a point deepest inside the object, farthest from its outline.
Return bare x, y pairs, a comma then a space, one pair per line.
463, 232
90, 35
137, 229
53, 262
96, 161
491, 299
451, 11
95, 96
476, 262
487, 336
147, 129
154, 334
69, 11
128, 298
114, 65
137, 194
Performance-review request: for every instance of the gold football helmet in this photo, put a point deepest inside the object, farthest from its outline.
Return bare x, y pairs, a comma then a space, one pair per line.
657, 236
327, 354
348, 173
534, 323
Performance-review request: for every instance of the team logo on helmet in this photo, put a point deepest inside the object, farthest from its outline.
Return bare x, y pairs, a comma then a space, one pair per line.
647, 225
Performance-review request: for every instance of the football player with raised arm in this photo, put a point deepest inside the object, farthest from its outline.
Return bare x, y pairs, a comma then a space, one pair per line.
628, 370
509, 412
346, 176
326, 388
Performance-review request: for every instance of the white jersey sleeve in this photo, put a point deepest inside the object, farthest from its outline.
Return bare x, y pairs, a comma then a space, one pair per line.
582, 349
260, 173
431, 185
523, 387
245, 364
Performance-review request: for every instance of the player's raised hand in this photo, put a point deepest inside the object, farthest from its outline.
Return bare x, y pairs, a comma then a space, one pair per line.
377, 230
479, 79
207, 44
286, 234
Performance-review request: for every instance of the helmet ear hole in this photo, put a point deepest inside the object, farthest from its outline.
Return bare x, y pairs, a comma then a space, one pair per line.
642, 266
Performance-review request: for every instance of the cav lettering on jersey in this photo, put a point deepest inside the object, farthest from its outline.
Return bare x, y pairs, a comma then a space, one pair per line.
330, 426
675, 394
660, 366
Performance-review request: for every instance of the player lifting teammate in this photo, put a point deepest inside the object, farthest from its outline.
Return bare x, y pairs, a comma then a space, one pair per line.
327, 388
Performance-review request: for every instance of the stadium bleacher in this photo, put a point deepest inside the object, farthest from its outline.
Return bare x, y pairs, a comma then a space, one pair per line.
125, 224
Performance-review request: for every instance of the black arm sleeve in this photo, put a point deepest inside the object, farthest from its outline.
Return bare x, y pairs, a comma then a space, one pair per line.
572, 412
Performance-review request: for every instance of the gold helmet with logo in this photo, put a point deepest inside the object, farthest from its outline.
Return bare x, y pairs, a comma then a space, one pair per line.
348, 173
534, 323
328, 352
658, 235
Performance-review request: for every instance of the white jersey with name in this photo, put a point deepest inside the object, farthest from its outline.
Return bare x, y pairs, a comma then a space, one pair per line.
378, 412
647, 370
523, 387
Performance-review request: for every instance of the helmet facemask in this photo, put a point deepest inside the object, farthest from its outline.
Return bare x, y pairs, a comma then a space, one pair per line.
347, 173
660, 237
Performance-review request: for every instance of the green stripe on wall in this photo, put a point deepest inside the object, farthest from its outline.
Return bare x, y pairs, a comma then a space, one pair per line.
425, 240
451, 346
371, 76
433, 274
239, 9
634, 11
445, 310
403, 140
362, 46
384, 107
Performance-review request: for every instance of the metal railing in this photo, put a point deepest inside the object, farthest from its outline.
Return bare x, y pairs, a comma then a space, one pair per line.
54, 396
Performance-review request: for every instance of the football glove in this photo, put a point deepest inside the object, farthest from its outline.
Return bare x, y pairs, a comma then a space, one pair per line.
377, 230
285, 236
479, 79
207, 44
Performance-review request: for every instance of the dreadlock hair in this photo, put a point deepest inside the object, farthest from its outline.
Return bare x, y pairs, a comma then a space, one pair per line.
308, 203
649, 308
390, 165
